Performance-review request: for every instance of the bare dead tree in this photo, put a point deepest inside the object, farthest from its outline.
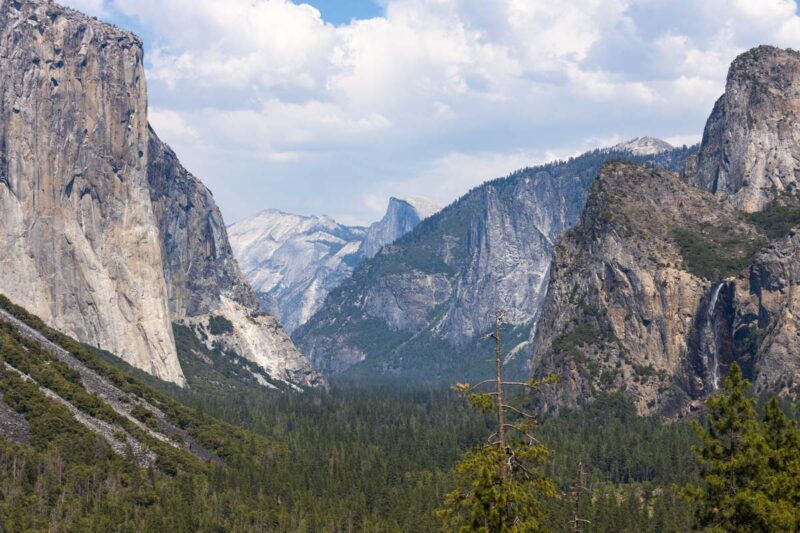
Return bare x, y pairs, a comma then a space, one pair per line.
578, 488
496, 400
511, 460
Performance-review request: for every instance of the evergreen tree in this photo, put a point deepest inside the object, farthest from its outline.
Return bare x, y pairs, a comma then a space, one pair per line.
741, 472
500, 486
782, 479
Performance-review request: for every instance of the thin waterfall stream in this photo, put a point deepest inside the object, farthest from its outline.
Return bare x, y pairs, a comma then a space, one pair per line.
711, 357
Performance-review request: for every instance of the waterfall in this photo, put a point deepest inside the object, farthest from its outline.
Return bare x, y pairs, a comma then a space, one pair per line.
710, 355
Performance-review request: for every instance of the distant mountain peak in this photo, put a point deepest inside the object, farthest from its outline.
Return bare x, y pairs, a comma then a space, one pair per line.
425, 208
294, 261
402, 215
643, 146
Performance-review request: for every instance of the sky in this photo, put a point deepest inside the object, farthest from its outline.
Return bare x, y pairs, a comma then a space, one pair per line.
332, 106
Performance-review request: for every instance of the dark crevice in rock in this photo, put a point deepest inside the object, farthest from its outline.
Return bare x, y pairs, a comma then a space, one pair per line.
68, 188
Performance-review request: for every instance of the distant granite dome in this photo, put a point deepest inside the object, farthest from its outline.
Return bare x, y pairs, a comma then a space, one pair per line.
294, 261
643, 146
402, 216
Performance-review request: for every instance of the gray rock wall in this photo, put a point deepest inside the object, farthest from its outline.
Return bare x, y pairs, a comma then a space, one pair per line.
79, 245
750, 152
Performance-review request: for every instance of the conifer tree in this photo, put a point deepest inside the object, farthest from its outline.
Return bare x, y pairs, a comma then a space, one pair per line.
781, 481
744, 464
500, 485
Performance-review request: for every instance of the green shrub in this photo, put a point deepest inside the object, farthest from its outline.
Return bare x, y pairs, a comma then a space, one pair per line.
219, 325
775, 221
715, 253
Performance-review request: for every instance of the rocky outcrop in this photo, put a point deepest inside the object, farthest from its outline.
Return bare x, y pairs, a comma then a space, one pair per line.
750, 152
622, 304
104, 234
259, 338
417, 310
658, 290
79, 244
294, 262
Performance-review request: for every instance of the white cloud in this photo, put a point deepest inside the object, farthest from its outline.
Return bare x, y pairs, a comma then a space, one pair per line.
684, 140
172, 125
435, 96
271, 44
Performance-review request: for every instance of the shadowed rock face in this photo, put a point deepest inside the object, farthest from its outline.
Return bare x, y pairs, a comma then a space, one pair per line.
198, 262
79, 245
751, 145
104, 234
763, 317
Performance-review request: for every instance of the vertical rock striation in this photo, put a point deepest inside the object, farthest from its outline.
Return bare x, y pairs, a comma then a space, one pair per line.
79, 245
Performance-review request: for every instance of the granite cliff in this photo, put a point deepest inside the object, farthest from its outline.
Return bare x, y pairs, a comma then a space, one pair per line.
751, 144
103, 234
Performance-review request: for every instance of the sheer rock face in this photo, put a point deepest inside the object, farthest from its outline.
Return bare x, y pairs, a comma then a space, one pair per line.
764, 308
626, 312
103, 233
751, 145
79, 245
198, 261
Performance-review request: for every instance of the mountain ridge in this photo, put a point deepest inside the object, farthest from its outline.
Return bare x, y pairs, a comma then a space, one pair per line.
294, 261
